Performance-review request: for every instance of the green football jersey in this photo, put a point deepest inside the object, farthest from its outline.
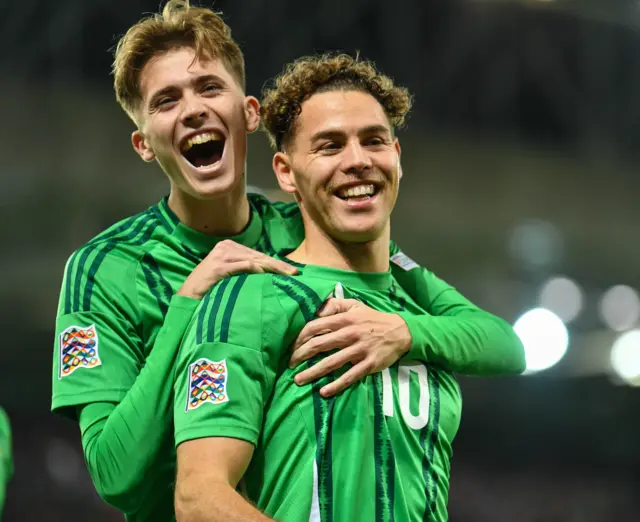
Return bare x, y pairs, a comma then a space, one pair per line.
115, 294
380, 450
6, 456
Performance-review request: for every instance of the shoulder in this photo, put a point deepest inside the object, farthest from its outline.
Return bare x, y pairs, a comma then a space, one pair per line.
119, 246
237, 293
286, 213
236, 310
294, 293
273, 208
108, 262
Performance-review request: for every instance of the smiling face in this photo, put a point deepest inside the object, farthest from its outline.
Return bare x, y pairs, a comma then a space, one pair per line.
342, 163
193, 119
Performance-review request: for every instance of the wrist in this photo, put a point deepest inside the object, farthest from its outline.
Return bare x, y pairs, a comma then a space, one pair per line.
404, 335
187, 291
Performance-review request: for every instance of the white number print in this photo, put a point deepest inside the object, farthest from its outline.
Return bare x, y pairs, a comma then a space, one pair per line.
415, 422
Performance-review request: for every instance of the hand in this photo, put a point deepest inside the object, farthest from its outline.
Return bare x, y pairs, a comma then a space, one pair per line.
228, 258
370, 340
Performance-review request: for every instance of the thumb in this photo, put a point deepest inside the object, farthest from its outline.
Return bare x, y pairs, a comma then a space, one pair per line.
334, 306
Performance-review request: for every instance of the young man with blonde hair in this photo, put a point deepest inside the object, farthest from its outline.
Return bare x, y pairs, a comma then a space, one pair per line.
129, 294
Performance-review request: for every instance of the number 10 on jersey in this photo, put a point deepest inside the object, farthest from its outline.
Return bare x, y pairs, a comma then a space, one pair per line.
415, 422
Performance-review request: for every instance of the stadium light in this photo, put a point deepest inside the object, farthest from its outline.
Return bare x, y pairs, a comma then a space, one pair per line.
620, 308
545, 338
625, 357
563, 297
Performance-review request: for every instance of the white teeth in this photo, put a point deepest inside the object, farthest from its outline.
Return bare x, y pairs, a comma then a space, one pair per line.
201, 138
360, 190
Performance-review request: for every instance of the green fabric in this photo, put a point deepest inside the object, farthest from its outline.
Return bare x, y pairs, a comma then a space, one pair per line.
121, 283
6, 456
456, 333
381, 450
122, 442
119, 324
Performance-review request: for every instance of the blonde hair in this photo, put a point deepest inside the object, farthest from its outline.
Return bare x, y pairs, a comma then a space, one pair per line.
179, 25
281, 104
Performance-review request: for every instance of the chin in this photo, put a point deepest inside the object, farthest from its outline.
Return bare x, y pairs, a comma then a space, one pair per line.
357, 235
214, 188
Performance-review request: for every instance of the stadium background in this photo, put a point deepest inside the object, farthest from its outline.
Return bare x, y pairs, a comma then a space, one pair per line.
521, 164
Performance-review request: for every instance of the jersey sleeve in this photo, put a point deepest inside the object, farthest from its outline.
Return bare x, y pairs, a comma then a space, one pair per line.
121, 442
6, 456
229, 360
97, 350
455, 333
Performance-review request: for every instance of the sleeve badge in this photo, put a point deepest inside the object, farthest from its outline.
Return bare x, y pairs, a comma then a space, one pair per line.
207, 383
78, 349
403, 261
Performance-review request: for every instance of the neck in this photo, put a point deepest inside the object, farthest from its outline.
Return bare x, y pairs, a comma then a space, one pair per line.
226, 215
319, 249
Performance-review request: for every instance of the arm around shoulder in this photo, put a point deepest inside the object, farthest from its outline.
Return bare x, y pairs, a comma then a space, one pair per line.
455, 333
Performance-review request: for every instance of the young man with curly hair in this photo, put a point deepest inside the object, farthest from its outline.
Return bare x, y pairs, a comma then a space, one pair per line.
129, 294
381, 449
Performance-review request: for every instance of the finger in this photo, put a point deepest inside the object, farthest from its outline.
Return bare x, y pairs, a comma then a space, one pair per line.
334, 306
325, 366
354, 374
321, 343
230, 252
276, 266
241, 267
320, 326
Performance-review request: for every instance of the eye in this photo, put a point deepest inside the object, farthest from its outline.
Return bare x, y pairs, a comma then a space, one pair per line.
330, 146
210, 87
375, 141
164, 101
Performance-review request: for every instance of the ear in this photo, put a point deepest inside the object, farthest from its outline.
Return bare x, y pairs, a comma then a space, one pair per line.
252, 113
399, 151
141, 146
283, 171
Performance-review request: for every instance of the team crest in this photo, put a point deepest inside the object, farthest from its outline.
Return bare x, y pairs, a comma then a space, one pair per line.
78, 349
403, 261
207, 383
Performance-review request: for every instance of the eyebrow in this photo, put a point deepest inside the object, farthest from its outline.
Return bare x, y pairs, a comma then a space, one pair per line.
198, 80
336, 133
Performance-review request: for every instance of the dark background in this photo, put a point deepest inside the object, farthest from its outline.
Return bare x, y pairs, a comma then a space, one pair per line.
527, 118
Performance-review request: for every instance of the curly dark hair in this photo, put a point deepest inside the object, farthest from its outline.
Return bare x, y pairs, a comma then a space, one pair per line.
281, 102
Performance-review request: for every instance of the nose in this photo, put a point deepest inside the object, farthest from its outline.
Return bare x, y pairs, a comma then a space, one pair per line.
356, 158
195, 111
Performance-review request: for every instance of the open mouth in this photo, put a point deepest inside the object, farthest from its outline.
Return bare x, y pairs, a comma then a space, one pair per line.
358, 192
204, 150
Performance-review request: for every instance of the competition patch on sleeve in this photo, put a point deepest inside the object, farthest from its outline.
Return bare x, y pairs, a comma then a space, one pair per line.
403, 261
78, 349
207, 383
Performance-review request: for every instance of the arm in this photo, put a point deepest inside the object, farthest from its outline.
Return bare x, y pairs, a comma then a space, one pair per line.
121, 440
224, 377
121, 435
456, 334
232, 456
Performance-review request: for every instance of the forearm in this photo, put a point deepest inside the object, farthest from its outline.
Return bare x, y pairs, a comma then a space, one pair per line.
472, 343
217, 502
121, 441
